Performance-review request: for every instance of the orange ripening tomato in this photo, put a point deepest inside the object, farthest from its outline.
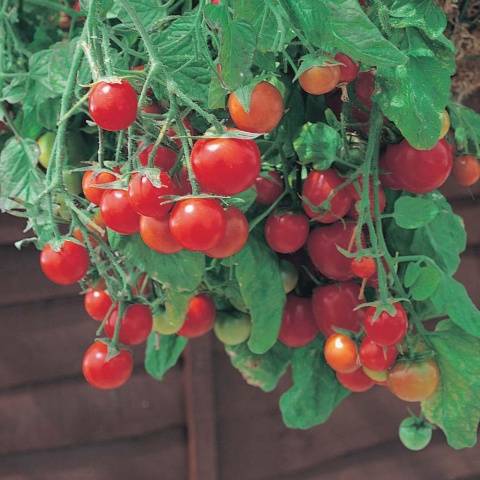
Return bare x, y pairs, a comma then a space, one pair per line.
320, 79
341, 353
466, 170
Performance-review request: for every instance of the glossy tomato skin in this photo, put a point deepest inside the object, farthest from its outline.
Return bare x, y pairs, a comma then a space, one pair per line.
113, 106
386, 329
320, 80
67, 266
376, 357
334, 307
90, 182
419, 171
466, 170
225, 166
269, 187
200, 317
322, 249
235, 237
148, 199
356, 381
317, 188
414, 382
286, 232
156, 234
298, 324
265, 111
106, 374
364, 267
198, 224
135, 327
348, 70
164, 159
118, 214
97, 303
341, 353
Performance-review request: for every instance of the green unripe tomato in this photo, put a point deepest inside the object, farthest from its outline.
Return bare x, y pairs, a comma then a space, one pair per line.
289, 275
378, 377
163, 324
232, 328
45, 145
73, 182
415, 434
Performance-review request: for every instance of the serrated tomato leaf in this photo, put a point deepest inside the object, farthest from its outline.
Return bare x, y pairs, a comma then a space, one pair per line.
162, 353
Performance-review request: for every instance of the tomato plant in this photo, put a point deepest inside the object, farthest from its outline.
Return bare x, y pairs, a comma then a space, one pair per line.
355, 381
135, 324
415, 433
320, 79
466, 170
97, 303
269, 187
200, 317
341, 353
232, 328
156, 234
286, 232
384, 328
118, 213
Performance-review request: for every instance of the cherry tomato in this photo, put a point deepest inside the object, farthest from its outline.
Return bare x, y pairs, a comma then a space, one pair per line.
322, 248
364, 88
232, 328
67, 265
379, 377
318, 187
118, 214
289, 275
96, 221
298, 324
286, 232
348, 70
152, 108
321, 79
269, 187
184, 186
200, 317
198, 224
419, 171
364, 267
97, 303
235, 237
375, 357
45, 146
386, 329
445, 124
165, 158
113, 106
156, 234
414, 382
356, 381
265, 110
341, 353
466, 170
106, 374
135, 327
64, 21
173, 135
225, 166
90, 184
387, 178
334, 307
414, 433
356, 193
148, 199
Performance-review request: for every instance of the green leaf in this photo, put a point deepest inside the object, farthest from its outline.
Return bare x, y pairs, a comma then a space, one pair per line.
258, 275
466, 124
411, 274
315, 392
414, 212
314, 60
244, 200
216, 94
455, 407
263, 371
149, 12
317, 144
426, 283
159, 361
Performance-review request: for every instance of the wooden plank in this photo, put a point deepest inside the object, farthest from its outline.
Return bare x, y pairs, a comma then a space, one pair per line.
11, 229
72, 413
470, 212
454, 191
201, 408
157, 455
469, 273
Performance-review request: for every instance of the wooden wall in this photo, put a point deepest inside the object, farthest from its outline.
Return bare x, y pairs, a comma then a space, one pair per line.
202, 423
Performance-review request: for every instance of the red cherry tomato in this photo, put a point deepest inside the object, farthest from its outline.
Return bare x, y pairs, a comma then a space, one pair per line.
356, 381
386, 329
269, 187
148, 199
118, 214
113, 106
97, 303
341, 353
265, 111
200, 317
286, 232
165, 158
356, 190
317, 189
173, 135
298, 324
135, 327
90, 182
348, 68
334, 307
320, 80
364, 267
184, 186
225, 166
153, 108
364, 88
106, 374
322, 246
418, 171
236, 235
198, 224
66, 266
156, 234
466, 170
376, 357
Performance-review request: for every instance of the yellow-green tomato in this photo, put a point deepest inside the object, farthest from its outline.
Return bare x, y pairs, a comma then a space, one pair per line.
73, 182
232, 328
289, 275
163, 324
45, 145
